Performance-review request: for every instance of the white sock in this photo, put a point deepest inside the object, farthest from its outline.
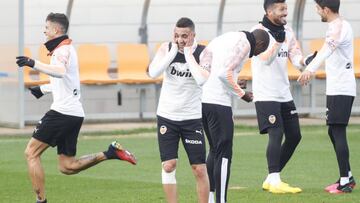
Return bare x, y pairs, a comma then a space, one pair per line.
350, 174
274, 178
344, 180
211, 197
267, 180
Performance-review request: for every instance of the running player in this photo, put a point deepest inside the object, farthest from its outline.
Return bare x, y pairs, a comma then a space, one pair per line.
338, 54
179, 109
60, 126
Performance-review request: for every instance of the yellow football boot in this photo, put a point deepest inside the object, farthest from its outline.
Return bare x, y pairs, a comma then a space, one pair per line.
282, 188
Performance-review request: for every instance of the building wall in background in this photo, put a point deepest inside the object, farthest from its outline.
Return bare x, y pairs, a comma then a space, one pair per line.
112, 21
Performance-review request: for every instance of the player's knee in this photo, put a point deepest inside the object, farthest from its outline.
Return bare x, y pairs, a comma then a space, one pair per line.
29, 154
169, 166
295, 139
298, 138
199, 170
226, 143
168, 172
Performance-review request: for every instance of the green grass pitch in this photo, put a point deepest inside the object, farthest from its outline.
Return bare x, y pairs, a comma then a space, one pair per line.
312, 167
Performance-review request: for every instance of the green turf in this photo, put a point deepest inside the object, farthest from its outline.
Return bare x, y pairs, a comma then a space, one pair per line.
312, 167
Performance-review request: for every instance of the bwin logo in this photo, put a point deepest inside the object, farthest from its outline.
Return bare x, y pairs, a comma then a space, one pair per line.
193, 141
186, 74
283, 53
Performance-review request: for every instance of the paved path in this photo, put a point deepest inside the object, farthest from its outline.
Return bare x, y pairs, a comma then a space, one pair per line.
104, 127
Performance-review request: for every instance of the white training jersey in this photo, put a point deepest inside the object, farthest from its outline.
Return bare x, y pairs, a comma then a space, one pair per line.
180, 97
339, 66
66, 90
270, 81
228, 54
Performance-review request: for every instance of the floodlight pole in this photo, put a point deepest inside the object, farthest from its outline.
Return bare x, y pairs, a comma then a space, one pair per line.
220, 17
68, 11
298, 19
21, 48
143, 32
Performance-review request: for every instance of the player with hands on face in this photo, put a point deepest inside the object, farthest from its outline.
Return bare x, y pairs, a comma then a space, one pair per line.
179, 108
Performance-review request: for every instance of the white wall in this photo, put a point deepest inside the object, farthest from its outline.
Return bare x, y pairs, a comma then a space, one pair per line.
11, 105
112, 21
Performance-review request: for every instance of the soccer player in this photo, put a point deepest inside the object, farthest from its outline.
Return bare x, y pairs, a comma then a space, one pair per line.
179, 108
275, 109
337, 52
60, 126
223, 58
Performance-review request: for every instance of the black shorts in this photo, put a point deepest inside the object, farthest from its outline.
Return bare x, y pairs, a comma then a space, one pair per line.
192, 137
272, 114
56, 129
338, 109
219, 127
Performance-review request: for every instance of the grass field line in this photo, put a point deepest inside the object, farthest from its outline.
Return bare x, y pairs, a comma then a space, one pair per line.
110, 135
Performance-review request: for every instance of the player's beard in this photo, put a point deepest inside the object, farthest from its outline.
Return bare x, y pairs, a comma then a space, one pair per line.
279, 21
323, 19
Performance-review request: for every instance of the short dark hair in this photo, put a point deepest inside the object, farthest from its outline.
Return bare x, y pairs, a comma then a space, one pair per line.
268, 3
333, 5
60, 19
185, 22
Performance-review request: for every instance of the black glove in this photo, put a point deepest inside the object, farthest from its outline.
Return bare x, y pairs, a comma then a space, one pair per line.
278, 35
242, 83
25, 61
309, 58
36, 91
248, 96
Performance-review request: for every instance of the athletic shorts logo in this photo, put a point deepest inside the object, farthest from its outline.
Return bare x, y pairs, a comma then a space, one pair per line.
163, 129
292, 112
272, 119
198, 131
193, 141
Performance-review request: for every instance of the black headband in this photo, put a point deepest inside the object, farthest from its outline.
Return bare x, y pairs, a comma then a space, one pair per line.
252, 42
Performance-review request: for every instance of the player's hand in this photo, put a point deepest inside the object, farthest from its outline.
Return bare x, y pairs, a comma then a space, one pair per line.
248, 96
278, 35
309, 58
24, 61
305, 77
242, 83
187, 50
36, 91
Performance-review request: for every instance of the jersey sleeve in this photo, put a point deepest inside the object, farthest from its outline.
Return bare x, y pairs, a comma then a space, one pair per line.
58, 65
295, 53
332, 41
61, 56
162, 59
236, 56
201, 71
333, 35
